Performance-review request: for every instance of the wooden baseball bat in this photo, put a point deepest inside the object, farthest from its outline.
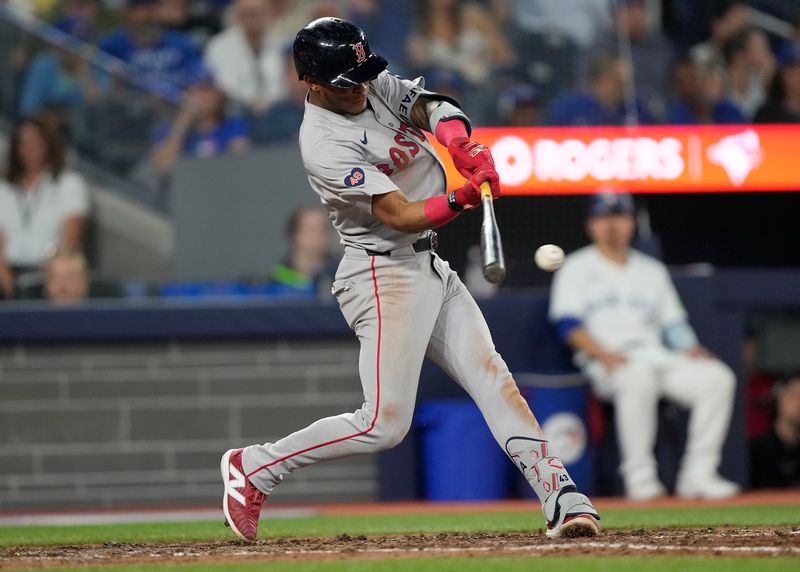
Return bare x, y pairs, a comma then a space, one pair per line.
494, 264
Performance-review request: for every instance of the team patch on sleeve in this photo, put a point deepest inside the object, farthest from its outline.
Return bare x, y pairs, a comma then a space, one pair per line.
355, 178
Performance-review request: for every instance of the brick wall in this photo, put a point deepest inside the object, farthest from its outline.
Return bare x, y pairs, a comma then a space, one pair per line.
145, 424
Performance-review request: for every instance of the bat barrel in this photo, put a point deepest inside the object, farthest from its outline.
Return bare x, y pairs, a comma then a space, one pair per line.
494, 264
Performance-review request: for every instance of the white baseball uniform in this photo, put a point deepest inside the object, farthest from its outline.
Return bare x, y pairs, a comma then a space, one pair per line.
403, 305
626, 309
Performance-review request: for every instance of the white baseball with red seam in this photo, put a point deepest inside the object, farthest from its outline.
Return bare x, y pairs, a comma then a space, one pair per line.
549, 257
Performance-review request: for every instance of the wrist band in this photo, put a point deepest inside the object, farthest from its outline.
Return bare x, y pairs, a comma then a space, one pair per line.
453, 203
438, 211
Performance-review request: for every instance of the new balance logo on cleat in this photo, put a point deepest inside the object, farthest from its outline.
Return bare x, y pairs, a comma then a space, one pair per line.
236, 481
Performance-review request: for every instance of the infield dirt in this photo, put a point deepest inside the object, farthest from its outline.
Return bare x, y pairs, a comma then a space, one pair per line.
743, 542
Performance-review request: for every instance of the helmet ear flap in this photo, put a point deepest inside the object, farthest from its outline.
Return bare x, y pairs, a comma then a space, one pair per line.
300, 68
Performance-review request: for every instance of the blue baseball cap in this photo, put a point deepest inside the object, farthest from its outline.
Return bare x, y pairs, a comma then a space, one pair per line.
610, 202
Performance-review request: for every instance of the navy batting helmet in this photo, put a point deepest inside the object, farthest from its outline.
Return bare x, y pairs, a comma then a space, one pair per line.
336, 52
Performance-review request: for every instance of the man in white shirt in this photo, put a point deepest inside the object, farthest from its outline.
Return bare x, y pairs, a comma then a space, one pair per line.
247, 60
618, 309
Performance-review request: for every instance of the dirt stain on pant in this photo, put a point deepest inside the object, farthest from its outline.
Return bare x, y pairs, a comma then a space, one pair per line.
511, 394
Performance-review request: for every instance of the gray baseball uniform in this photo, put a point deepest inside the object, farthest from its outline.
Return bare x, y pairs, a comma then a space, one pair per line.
403, 306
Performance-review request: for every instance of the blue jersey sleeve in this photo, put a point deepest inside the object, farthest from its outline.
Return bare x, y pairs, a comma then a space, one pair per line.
42, 74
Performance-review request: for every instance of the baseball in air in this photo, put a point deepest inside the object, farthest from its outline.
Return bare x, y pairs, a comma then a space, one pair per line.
549, 257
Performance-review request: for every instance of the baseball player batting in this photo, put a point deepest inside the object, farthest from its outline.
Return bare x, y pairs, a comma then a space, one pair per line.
384, 186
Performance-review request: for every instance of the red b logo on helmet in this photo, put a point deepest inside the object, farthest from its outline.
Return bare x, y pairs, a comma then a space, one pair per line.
361, 54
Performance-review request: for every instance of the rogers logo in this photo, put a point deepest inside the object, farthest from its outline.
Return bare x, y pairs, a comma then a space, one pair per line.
603, 159
738, 155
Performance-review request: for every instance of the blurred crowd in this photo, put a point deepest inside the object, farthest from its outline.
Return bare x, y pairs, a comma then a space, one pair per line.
226, 64
137, 85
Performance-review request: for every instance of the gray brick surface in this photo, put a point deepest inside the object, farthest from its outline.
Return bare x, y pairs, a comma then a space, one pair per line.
178, 423
59, 426
144, 424
16, 464
260, 384
23, 389
142, 388
102, 463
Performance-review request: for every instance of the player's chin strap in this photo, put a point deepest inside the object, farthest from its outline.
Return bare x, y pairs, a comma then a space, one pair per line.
544, 472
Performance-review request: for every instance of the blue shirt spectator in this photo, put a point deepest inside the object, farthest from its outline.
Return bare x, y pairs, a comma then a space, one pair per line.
163, 60
208, 143
583, 109
280, 124
603, 103
201, 128
722, 112
58, 79
48, 85
651, 54
699, 97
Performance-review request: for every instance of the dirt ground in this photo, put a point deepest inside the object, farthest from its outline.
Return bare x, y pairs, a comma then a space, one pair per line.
743, 542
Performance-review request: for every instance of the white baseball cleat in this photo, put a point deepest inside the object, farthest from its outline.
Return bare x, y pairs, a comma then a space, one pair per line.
709, 488
573, 516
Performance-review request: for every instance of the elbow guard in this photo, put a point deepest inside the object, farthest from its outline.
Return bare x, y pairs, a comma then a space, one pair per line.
444, 111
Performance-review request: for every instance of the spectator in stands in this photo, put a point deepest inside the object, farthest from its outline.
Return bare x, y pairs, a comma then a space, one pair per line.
59, 80
727, 18
699, 97
581, 22
618, 309
66, 277
198, 19
651, 53
519, 106
281, 122
387, 24
750, 69
309, 266
43, 205
162, 61
783, 104
463, 38
604, 102
201, 128
775, 457
247, 60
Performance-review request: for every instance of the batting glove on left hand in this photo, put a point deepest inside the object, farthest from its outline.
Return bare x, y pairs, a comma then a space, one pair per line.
469, 196
469, 157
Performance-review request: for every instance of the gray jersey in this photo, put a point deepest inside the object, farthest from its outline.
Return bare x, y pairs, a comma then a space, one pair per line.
351, 158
